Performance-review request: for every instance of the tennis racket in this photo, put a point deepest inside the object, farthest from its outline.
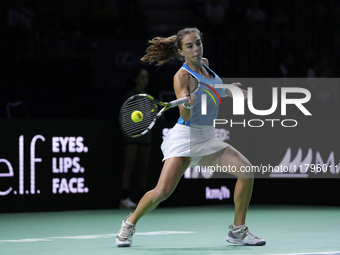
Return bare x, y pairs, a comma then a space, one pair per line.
151, 109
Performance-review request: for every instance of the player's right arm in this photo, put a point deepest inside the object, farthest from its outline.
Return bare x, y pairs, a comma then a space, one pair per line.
182, 81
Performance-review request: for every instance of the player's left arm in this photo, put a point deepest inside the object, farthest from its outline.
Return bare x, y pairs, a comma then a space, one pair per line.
245, 92
227, 92
224, 91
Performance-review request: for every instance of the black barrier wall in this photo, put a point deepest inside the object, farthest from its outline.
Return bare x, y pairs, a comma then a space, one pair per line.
58, 165
77, 164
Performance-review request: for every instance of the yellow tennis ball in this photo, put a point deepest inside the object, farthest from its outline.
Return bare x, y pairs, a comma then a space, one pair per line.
137, 116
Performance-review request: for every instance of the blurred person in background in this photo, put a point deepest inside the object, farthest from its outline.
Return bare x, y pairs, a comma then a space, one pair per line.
137, 150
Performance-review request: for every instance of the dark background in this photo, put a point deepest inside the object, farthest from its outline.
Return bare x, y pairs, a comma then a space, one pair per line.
72, 60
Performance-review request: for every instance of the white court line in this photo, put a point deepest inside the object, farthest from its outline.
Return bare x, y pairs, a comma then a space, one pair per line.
49, 239
312, 253
155, 233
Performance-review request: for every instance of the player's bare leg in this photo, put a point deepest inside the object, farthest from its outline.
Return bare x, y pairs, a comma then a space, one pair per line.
172, 172
242, 193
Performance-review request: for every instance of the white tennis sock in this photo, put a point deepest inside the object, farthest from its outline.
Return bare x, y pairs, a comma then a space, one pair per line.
236, 228
129, 223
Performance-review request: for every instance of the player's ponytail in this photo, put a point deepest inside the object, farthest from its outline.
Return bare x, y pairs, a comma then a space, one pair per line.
161, 50
164, 49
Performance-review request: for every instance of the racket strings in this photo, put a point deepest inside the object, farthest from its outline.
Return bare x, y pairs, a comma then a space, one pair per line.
144, 105
193, 83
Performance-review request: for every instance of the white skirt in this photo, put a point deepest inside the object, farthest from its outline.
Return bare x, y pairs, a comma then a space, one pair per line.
194, 142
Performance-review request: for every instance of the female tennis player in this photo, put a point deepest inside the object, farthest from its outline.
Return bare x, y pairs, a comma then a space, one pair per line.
192, 142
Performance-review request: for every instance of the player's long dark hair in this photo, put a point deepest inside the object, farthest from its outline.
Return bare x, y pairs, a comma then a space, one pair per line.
164, 49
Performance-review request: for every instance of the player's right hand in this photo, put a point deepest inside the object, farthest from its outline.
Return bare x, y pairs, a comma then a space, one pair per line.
191, 99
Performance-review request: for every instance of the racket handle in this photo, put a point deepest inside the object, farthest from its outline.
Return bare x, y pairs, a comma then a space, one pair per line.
179, 102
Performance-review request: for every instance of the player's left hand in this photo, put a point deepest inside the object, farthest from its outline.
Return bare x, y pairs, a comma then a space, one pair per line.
245, 92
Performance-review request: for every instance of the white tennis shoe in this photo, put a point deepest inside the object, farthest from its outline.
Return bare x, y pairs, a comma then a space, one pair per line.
124, 236
242, 235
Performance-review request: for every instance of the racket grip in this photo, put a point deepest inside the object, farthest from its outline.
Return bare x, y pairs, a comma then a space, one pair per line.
179, 102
